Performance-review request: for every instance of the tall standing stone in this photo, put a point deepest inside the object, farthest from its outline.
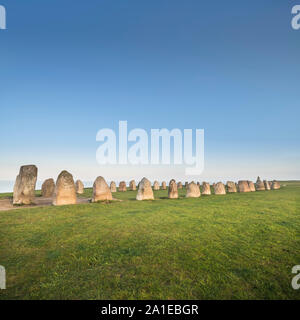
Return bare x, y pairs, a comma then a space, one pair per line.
132, 185
231, 188
219, 188
48, 188
193, 190
113, 187
244, 186
24, 188
155, 185
267, 186
65, 191
79, 187
259, 185
164, 185
122, 186
206, 189
172, 192
145, 191
251, 186
101, 190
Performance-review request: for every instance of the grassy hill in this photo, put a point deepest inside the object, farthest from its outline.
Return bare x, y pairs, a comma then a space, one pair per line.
236, 246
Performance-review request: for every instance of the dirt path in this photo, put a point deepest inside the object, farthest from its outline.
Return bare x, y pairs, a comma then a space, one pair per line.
6, 204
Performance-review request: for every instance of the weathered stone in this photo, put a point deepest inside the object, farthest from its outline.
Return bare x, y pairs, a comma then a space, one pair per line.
179, 185
275, 185
164, 185
266, 184
145, 191
48, 188
259, 185
24, 188
101, 190
132, 185
251, 186
244, 186
206, 189
219, 188
122, 186
65, 191
193, 190
155, 185
172, 192
79, 187
113, 187
231, 188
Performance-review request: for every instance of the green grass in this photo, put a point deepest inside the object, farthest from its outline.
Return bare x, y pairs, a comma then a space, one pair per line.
237, 246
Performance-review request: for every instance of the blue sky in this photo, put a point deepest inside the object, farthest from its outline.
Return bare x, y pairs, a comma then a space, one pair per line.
70, 68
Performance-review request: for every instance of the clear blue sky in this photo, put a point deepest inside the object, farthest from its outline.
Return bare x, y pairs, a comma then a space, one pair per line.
69, 68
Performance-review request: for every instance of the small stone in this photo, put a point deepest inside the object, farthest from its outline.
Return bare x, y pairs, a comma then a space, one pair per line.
172, 192
219, 188
65, 191
193, 191
145, 191
122, 186
101, 190
48, 188
79, 187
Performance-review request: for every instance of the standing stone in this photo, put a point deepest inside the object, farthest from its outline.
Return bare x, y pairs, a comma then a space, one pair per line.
155, 185
244, 186
132, 185
101, 190
270, 184
179, 185
266, 184
206, 189
219, 188
231, 188
113, 187
251, 186
145, 191
48, 188
24, 188
164, 185
172, 192
122, 186
259, 185
79, 187
193, 190
275, 185
65, 191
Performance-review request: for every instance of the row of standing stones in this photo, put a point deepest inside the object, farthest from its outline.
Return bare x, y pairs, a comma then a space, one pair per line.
65, 190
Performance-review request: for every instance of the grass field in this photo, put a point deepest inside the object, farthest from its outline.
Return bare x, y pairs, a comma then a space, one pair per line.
237, 246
